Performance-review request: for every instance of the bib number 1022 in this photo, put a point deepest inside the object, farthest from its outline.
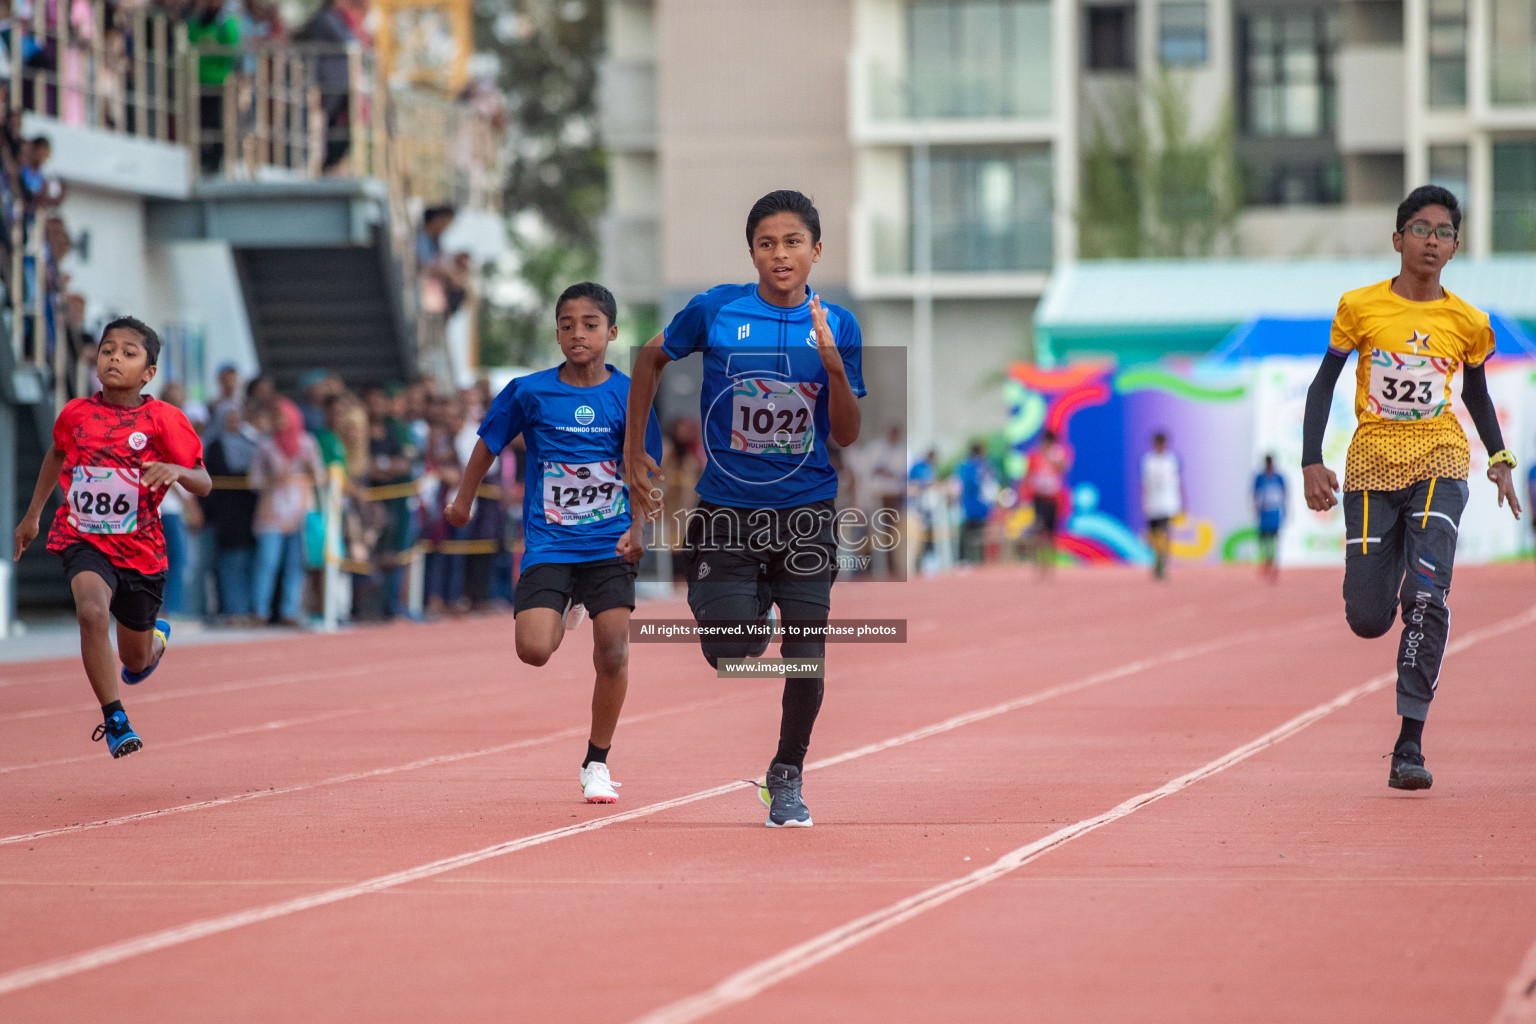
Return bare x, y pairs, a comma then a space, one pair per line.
768, 421
1398, 389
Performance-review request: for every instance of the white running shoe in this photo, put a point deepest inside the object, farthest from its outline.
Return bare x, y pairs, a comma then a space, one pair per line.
596, 786
575, 615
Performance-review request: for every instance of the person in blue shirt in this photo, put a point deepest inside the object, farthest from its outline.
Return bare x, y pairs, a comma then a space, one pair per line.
782, 374
582, 542
1269, 505
977, 485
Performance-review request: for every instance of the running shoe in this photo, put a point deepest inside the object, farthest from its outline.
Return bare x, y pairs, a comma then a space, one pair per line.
575, 615
120, 737
596, 786
1408, 771
163, 631
780, 793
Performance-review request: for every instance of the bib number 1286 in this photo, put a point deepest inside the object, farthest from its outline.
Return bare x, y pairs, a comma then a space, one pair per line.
105, 499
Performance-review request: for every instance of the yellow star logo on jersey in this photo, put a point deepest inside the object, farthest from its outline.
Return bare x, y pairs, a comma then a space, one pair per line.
1414, 341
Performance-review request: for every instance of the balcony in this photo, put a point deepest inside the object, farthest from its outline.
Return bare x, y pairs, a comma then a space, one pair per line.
970, 260
950, 103
627, 103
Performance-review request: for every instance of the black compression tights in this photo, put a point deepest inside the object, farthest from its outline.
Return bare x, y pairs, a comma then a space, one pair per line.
802, 697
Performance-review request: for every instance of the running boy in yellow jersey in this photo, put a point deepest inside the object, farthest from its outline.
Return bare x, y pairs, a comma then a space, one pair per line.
1405, 478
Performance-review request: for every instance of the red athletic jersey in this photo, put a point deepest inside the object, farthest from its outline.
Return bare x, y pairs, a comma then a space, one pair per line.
105, 447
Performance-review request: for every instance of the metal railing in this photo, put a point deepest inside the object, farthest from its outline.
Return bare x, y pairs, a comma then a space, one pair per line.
261, 111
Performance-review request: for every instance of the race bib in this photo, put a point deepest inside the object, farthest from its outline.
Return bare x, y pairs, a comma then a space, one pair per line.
577, 493
104, 499
773, 416
1406, 386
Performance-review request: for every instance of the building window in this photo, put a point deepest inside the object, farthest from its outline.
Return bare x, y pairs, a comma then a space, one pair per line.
1514, 196
1448, 53
1287, 72
1448, 168
979, 58
1111, 38
1181, 41
991, 209
1512, 55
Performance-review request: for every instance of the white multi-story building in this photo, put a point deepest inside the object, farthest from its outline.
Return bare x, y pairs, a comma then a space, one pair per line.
943, 141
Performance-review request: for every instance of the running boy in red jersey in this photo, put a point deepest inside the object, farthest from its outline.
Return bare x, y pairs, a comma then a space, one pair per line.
114, 454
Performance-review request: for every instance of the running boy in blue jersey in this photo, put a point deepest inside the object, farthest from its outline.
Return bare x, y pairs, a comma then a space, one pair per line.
582, 543
782, 373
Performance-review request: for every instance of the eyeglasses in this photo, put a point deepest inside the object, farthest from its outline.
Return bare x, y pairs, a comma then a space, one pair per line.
1418, 229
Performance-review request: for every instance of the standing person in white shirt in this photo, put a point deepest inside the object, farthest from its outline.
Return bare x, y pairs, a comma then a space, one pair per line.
1162, 498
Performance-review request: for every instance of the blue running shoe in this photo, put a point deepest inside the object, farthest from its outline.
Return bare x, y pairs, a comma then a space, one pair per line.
163, 631
120, 737
780, 792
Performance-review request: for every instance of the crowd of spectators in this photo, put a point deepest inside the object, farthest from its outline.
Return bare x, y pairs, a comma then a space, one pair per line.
253, 551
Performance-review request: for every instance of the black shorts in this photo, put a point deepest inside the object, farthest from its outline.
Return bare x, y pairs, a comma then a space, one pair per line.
136, 597
600, 585
793, 550
1045, 514
1158, 525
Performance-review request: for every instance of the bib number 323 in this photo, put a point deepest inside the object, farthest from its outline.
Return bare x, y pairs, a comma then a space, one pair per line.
1407, 387
105, 499
580, 493
773, 416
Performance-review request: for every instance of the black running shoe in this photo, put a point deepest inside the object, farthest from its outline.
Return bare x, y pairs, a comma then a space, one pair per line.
1408, 771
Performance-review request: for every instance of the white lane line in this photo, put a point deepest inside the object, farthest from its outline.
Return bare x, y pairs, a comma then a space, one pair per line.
575, 732
116, 952
273, 726
1519, 1006
751, 981
134, 699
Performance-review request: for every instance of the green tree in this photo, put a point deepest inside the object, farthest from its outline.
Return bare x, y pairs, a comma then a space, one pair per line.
1159, 188
557, 182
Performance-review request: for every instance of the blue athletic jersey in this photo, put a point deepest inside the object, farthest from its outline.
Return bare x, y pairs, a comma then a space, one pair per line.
1269, 499
575, 506
764, 399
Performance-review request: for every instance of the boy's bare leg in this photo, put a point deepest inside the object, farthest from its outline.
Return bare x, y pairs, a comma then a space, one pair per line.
93, 601
137, 650
610, 657
539, 632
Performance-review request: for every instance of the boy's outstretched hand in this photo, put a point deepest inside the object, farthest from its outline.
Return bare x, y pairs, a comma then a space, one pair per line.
631, 546
457, 513
1504, 480
26, 533
1319, 486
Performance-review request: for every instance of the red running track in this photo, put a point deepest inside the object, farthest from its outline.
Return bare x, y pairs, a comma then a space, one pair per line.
1096, 799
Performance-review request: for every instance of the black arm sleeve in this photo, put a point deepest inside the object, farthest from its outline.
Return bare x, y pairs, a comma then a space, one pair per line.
1319, 399
1474, 392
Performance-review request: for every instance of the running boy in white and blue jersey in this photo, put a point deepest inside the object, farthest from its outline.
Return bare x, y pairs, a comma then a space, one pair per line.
782, 373
582, 543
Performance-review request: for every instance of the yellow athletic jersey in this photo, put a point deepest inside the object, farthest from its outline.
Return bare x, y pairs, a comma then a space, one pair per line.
1409, 354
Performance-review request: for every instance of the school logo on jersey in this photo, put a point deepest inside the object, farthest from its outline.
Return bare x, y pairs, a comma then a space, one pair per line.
810, 339
137, 440
585, 415
1414, 341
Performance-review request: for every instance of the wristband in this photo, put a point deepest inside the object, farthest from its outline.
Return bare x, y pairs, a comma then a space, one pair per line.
1503, 455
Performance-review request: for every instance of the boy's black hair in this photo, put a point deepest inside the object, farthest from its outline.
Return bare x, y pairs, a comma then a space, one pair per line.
600, 296
146, 333
1428, 195
785, 200
431, 213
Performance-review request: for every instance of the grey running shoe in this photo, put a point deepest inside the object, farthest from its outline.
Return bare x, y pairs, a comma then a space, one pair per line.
1408, 771
780, 793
